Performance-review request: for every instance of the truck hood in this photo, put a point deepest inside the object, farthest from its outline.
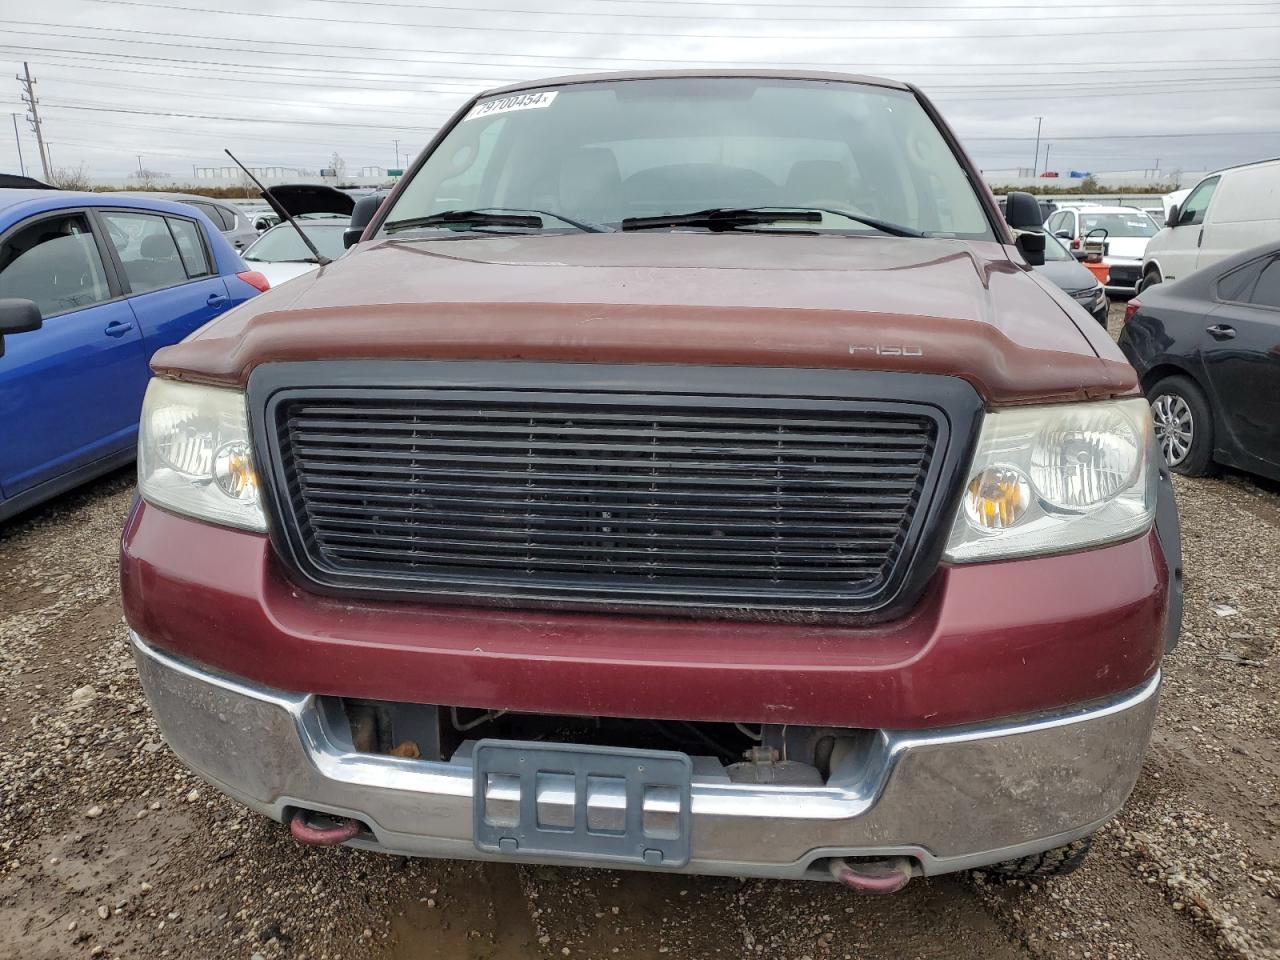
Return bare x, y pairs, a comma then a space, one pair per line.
929, 306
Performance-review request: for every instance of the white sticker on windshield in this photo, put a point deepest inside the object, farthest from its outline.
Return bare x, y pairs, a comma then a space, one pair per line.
518, 101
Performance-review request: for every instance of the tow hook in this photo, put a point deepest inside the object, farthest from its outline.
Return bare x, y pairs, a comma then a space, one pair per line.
874, 876
343, 829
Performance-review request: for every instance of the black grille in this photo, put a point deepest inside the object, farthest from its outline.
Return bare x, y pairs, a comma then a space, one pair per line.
735, 502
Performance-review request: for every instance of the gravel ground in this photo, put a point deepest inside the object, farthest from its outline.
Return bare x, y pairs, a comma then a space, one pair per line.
109, 848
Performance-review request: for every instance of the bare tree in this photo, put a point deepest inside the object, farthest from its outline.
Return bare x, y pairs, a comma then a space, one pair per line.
147, 177
71, 178
338, 165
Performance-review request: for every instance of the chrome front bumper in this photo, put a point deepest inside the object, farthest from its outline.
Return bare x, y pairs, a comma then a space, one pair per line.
954, 799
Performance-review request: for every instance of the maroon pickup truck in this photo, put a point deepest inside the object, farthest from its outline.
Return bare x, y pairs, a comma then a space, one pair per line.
680, 472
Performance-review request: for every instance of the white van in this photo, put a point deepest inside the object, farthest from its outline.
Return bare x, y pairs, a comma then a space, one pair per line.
1226, 212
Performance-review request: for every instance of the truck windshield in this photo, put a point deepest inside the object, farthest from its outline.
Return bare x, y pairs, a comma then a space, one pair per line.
603, 152
1126, 225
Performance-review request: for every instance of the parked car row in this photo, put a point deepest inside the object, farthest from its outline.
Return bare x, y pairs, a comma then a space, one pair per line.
1123, 233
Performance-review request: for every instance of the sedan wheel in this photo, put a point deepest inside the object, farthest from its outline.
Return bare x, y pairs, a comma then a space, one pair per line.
1183, 425
1175, 427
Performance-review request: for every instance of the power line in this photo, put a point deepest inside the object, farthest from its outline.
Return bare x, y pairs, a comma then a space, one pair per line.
102, 108
315, 104
1007, 8
944, 97
770, 19
187, 46
243, 77
401, 76
95, 108
221, 138
951, 92
204, 39
1131, 88
660, 36
1037, 84
1137, 136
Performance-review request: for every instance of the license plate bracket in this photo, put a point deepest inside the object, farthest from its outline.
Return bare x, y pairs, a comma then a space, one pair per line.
603, 804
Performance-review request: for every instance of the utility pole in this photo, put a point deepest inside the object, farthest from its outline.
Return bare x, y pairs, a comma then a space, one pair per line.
397, 160
29, 98
1047, 148
22, 167
139, 166
1035, 167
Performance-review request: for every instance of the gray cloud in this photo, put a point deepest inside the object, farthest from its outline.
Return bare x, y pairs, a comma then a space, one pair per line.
295, 80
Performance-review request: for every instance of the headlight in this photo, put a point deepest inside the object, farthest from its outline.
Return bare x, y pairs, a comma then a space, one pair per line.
1051, 479
194, 454
1091, 298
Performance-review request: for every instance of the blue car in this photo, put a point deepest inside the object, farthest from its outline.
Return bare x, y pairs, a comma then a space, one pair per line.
91, 285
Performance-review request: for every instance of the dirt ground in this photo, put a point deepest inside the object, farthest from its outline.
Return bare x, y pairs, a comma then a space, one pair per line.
109, 848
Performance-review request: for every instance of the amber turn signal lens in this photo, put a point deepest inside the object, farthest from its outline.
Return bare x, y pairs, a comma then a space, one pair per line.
233, 472
997, 498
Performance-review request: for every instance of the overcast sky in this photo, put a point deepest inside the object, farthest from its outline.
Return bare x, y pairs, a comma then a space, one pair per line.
287, 82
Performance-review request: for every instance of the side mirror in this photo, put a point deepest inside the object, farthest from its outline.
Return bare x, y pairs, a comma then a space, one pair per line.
18, 316
1031, 245
361, 216
1172, 219
1062, 234
1022, 210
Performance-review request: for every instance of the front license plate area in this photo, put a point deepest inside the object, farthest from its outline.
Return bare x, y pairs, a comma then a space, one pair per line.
592, 803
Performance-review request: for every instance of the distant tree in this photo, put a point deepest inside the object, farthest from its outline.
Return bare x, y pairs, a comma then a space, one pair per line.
338, 165
71, 178
148, 177
1090, 185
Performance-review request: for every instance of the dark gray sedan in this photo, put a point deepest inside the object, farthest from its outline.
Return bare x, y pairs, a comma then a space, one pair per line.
1207, 348
1062, 268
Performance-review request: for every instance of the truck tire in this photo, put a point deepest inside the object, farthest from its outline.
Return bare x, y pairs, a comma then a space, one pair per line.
1057, 862
1150, 279
1177, 399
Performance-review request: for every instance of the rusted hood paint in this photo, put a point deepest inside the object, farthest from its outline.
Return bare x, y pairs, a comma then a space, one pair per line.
927, 306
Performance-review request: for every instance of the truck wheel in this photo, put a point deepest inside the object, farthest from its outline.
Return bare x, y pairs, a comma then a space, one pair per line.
1057, 862
1150, 279
1184, 425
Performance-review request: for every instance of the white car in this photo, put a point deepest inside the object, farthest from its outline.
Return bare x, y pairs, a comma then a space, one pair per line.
1124, 232
280, 255
1227, 212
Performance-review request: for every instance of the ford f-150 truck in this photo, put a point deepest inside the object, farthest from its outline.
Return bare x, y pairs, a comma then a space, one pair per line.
681, 472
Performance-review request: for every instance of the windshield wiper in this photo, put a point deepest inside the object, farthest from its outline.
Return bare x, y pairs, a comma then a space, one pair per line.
465, 220
488, 217
730, 218
884, 226
722, 218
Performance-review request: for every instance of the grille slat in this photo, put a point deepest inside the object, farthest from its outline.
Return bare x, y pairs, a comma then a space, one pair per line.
423, 494
604, 519
307, 431
468, 554
415, 532
733, 502
624, 416
643, 456
409, 475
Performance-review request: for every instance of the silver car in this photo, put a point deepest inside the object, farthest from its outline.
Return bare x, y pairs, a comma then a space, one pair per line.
230, 220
